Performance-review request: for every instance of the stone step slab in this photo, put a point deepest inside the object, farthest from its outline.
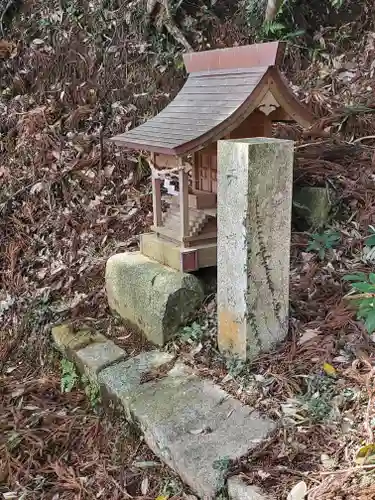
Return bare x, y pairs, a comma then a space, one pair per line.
188, 422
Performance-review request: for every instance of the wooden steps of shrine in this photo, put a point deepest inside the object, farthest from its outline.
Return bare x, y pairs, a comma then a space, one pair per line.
172, 220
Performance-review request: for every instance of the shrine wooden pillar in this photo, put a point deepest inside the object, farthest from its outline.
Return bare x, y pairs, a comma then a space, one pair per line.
156, 198
183, 179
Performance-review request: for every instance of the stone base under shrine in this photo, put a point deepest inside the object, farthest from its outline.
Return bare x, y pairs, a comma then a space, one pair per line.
173, 255
154, 298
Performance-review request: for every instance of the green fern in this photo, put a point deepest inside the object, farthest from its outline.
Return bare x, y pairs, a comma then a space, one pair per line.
283, 26
69, 376
364, 301
321, 242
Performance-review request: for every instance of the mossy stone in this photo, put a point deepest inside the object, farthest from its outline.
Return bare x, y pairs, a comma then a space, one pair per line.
68, 340
312, 205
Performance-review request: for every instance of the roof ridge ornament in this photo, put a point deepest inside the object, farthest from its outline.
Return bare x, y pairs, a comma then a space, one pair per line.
268, 104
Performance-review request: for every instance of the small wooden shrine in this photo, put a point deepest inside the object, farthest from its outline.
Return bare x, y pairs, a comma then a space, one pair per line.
233, 93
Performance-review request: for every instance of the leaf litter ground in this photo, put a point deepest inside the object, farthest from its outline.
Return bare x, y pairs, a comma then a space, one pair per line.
68, 201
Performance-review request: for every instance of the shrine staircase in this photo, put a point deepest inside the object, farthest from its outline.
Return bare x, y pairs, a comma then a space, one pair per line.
197, 220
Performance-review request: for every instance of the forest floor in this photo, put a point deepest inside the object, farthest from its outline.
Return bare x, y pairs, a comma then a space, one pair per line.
72, 77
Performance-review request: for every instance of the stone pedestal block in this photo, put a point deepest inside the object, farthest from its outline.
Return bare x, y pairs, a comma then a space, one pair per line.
254, 230
153, 297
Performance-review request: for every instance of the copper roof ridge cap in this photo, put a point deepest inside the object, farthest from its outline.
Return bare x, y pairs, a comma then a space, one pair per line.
254, 46
249, 55
231, 71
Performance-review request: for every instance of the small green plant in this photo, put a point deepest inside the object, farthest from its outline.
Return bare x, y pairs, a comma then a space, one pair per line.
318, 397
288, 7
222, 465
172, 488
193, 333
364, 301
235, 366
69, 376
369, 246
45, 23
274, 30
284, 23
370, 239
321, 400
321, 242
92, 390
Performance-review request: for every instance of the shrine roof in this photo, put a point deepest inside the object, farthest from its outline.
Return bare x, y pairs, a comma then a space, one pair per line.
224, 86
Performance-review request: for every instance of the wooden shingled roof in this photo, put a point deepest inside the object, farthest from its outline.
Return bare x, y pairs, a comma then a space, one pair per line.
223, 88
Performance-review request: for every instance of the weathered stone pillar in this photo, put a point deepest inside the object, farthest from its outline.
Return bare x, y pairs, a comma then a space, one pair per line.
254, 226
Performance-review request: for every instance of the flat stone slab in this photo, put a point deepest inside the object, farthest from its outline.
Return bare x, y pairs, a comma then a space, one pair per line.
153, 297
91, 351
68, 339
190, 423
122, 381
95, 357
